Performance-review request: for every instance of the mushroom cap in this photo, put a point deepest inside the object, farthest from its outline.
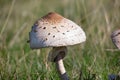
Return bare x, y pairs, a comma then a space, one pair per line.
115, 36
53, 30
115, 33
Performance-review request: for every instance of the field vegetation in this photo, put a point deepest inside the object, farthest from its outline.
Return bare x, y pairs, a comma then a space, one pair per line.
94, 59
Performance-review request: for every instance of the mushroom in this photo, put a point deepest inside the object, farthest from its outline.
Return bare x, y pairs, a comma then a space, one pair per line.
115, 36
53, 30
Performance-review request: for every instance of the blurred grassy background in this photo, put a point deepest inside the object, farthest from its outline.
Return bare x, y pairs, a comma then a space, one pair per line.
98, 18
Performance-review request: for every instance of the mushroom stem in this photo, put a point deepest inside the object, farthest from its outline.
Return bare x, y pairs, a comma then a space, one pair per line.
61, 69
56, 55
60, 66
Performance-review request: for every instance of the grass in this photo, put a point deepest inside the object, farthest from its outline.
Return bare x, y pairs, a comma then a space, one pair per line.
88, 61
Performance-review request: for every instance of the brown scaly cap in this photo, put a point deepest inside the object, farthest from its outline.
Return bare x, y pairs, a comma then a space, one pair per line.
52, 17
53, 30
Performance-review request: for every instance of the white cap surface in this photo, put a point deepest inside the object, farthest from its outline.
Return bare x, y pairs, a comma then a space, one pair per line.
53, 30
115, 36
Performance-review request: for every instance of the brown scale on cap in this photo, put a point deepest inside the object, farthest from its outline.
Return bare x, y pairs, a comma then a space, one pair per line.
52, 17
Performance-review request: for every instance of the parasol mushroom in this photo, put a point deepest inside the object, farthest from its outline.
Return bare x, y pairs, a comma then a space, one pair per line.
115, 36
53, 30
